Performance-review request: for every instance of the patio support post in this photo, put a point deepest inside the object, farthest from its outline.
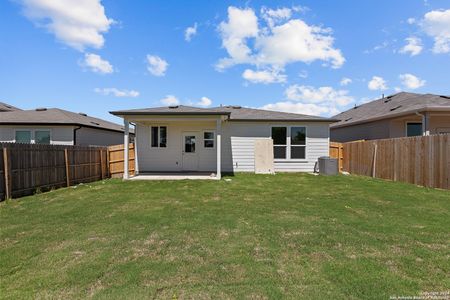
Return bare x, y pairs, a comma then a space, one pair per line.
218, 147
126, 149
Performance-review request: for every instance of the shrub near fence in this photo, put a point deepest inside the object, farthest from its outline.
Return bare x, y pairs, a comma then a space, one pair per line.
422, 160
28, 168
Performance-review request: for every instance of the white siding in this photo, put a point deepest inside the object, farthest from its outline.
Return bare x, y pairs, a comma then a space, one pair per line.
170, 158
238, 139
238, 146
60, 135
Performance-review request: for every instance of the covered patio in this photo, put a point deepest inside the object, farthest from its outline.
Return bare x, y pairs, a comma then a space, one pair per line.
173, 146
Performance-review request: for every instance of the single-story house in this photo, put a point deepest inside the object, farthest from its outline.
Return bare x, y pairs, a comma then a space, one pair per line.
399, 115
56, 126
224, 139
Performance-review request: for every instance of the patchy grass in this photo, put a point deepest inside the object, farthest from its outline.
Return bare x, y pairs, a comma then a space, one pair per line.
258, 236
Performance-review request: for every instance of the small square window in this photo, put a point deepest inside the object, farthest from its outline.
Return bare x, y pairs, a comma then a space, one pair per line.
279, 152
413, 129
23, 136
297, 152
208, 139
42, 137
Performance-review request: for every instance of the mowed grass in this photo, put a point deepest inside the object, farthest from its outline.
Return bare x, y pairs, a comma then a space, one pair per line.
256, 236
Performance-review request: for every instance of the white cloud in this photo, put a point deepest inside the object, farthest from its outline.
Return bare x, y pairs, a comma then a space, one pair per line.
326, 95
301, 108
411, 82
190, 32
345, 81
325, 101
296, 41
266, 76
377, 83
283, 41
97, 64
411, 21
242, 24
79, 24
170, 100
436, 24
117, 93
204, 101
275, 16
413, 46
156, 65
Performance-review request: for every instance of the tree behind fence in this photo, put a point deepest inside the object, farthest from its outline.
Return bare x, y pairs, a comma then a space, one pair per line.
31, 168
423, 160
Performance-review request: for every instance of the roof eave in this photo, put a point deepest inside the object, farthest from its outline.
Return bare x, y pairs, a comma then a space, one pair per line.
284, 120
130, 113
412, 111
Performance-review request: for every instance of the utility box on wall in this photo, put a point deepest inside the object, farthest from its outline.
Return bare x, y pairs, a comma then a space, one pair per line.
264, 156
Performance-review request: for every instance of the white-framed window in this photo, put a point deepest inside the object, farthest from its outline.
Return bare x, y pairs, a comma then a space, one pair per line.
33, 136
298, 142
208, 139
158, 136
414, 128
289, 142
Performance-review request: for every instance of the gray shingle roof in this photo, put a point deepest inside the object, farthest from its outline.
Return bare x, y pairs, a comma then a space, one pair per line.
235, 113
7, 107
170, 110
391, 106
55, 116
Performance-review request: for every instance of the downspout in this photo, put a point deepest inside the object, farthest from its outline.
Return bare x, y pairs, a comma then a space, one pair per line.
75, 135
425, 130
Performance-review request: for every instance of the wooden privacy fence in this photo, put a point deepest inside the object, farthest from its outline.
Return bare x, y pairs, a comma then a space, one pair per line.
28, 168
423, 160
116, 160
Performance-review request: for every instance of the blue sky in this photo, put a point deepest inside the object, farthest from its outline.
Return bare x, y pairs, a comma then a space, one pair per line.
315, 57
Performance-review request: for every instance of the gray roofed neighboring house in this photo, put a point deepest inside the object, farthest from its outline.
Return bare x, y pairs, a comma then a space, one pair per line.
398, 115
59, 126
4, 107
55, 116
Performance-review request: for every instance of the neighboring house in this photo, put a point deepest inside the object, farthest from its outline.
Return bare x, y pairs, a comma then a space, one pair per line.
6, 107
398, 115
222, 139
56, 126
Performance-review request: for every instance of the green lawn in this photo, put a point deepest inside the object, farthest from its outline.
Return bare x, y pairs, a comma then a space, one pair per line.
256, 236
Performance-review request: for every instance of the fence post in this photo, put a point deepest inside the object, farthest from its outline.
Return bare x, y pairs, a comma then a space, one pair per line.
66, 159
374, 164
101, 163
7, 175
